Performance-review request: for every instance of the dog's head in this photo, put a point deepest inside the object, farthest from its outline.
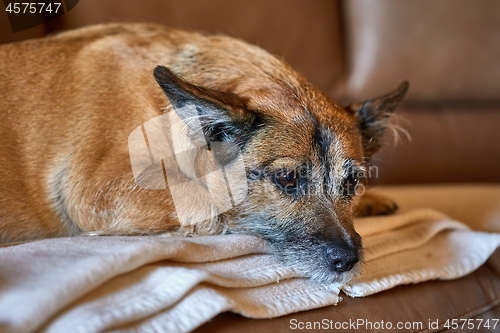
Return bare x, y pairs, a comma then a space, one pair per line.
304, 158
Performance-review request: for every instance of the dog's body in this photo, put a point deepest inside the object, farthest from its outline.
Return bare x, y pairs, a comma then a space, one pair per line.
70, 102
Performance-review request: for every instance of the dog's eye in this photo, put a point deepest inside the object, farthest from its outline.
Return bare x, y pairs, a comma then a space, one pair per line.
286, 180
350, 185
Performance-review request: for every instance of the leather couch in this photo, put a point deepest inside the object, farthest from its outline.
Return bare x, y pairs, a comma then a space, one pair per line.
449, 50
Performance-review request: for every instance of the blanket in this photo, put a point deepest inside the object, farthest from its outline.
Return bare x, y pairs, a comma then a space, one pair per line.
155, 283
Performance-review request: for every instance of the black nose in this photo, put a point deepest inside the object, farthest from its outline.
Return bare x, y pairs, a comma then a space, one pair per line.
341, 259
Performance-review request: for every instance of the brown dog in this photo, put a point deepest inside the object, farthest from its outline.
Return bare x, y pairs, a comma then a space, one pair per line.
89, 145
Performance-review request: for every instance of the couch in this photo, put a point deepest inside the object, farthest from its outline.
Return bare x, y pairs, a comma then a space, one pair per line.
357, 49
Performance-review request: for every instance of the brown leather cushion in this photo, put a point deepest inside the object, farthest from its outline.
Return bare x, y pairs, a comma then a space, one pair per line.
447, 49
7, 36
449, 143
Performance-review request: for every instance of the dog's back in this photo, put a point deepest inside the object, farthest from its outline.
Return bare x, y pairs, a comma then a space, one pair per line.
69, 102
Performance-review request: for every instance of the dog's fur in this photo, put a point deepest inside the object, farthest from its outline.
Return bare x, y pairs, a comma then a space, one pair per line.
70, 101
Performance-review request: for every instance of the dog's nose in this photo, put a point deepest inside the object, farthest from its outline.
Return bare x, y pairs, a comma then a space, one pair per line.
341, 259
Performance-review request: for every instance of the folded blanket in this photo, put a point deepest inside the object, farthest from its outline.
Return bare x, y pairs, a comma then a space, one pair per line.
154, 283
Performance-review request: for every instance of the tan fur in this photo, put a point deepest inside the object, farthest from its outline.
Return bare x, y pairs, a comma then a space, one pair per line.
70, 101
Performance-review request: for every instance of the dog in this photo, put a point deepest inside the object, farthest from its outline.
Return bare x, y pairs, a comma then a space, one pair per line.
120, 129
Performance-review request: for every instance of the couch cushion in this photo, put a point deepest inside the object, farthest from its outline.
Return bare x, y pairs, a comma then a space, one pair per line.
449, 144
447, 49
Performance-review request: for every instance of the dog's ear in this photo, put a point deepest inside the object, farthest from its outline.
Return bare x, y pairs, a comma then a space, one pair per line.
219, 116
374, 116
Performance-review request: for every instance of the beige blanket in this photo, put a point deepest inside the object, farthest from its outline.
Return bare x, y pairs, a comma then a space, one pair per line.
91, 284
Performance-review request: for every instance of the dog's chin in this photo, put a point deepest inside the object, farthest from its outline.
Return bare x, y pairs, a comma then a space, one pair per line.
324, 275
